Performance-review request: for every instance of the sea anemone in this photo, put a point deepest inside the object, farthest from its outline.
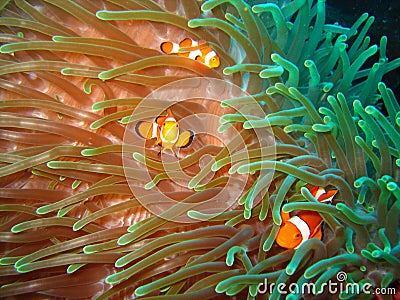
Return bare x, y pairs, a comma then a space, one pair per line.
89, 210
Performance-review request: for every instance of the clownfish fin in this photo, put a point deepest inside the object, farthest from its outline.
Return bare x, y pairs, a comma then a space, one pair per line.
189, 45
169, 113
317, 233
166, 47
314, 190
321, 195
285, 216
203, 43
186, 43
168, 146
185, 139
160, 120
146, 130
169, 47
328, 196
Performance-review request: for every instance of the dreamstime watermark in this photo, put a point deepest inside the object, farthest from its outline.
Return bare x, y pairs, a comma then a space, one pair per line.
340, 286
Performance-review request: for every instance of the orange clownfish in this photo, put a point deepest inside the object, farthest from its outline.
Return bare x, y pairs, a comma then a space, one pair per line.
201, 52
166, 130
305, 225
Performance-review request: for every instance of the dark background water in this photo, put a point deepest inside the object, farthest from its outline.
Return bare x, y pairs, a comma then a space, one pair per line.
387, 22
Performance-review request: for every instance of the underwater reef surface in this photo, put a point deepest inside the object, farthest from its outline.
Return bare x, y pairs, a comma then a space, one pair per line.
81, 215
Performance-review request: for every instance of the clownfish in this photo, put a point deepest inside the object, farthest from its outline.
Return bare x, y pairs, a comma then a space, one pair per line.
305, 224
201, 52
166, 130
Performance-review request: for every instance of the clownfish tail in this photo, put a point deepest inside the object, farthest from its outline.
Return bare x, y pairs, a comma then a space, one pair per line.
167, 47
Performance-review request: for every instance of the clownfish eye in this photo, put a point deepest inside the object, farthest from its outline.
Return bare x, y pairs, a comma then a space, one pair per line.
298, 235
213, 59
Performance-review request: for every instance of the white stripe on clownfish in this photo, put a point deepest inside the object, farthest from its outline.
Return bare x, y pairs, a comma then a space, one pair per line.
209, 56
154, 130
175, 48
303, 227
194, 54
